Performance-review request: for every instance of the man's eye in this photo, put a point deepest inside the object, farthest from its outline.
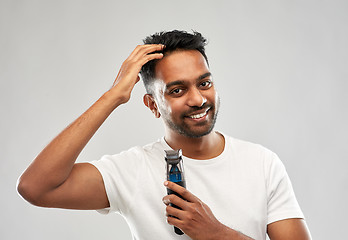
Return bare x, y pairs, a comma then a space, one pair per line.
176, 91
206, 84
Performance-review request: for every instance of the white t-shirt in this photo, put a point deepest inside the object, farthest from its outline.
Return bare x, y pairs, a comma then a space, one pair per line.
246, 187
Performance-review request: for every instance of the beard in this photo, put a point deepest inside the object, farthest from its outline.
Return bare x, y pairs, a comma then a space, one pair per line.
200, 129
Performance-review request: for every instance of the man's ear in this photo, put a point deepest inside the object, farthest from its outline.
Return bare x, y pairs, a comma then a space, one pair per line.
149, 102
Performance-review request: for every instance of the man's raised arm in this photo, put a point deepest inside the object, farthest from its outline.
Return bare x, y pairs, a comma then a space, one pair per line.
53, 179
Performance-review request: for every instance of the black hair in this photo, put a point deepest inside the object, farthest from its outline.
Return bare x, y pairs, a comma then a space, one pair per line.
173, 41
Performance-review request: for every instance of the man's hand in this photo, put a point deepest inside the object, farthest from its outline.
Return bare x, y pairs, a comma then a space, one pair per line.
128, 74
195, 218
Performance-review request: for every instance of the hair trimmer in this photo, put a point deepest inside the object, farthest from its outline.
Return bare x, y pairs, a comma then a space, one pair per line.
175, 173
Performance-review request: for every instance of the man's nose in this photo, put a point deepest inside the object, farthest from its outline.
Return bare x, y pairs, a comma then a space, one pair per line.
195, 98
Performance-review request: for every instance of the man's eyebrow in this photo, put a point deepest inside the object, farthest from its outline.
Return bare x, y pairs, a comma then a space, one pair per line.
208, 74
181, 82
178, 82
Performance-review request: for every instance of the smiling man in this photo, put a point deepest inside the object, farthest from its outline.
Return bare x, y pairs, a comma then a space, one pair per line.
235, 189
185, 94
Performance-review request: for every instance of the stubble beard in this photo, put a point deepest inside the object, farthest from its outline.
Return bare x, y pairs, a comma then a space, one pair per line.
185, 130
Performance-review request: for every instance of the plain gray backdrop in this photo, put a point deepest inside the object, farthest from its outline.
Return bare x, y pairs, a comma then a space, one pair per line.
280, 69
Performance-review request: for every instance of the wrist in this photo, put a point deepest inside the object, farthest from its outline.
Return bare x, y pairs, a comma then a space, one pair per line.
114, 98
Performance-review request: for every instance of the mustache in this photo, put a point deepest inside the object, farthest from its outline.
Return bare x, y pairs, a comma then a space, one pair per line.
194, 109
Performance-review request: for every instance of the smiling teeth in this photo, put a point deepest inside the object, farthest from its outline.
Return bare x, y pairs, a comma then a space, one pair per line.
198, 115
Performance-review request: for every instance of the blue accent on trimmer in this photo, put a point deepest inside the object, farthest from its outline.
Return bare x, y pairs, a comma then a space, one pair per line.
175, 174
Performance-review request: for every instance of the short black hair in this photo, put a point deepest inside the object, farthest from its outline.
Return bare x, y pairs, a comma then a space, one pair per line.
173, 41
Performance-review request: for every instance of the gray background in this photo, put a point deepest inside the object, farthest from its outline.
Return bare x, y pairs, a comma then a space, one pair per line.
280, 68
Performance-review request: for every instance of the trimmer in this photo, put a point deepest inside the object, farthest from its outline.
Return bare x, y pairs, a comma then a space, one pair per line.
175, 173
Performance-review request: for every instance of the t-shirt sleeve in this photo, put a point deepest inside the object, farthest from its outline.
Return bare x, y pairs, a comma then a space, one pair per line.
120, 174
282, 203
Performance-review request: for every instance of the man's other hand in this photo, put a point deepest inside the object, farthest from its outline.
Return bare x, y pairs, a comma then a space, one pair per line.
128, 74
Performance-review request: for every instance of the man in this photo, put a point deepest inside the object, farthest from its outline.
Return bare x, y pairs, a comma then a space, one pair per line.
235, 189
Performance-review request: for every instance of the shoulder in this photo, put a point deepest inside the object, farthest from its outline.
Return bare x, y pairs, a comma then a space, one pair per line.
243, 147
252, 155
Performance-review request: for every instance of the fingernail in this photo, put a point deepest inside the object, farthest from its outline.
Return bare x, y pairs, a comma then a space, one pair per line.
166, 201
166, 183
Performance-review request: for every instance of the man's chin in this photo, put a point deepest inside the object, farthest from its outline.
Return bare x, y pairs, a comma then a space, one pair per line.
196, 133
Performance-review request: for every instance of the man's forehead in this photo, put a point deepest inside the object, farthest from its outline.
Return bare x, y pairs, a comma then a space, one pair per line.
181, 65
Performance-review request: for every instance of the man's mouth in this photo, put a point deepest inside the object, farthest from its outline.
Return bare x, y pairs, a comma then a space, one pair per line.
199, 115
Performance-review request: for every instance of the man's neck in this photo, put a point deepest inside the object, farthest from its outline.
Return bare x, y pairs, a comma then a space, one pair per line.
206, 147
